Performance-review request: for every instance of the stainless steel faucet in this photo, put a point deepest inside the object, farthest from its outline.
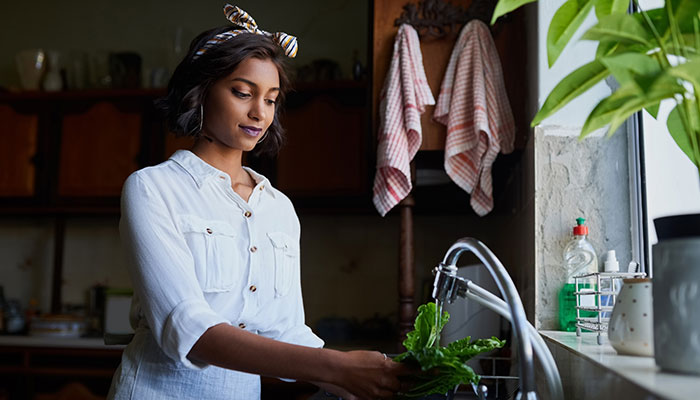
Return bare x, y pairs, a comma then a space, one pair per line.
447, 286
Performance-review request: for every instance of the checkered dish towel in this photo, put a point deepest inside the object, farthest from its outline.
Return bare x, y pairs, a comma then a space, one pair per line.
402, 101
474, 106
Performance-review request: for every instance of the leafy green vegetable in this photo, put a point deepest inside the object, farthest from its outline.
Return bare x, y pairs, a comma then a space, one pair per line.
443, 367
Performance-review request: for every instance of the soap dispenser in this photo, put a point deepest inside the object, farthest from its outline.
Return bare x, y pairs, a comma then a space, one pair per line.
579, 258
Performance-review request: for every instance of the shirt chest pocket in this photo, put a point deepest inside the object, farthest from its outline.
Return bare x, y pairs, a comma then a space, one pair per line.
218, 261
286, 252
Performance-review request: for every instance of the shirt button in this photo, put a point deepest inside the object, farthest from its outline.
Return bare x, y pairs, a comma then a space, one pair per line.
252, 288
222, 177
241, 325
209, 231
253, 249
247, 214
262, 187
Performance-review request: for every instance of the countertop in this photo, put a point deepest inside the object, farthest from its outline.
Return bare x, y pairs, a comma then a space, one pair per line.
641, 371
41, 341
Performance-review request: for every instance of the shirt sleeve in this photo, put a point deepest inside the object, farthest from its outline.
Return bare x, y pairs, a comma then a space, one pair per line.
162, 271
291, 327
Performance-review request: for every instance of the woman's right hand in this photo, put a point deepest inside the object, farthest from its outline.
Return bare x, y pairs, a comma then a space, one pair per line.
370, 375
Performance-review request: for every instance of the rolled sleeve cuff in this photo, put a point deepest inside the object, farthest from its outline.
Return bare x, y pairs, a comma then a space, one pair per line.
184, 326
303, 336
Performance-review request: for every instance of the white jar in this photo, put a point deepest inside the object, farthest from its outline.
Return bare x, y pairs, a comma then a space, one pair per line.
631, 327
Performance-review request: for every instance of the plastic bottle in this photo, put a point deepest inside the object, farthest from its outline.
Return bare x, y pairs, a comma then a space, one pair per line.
610, 265
579, 258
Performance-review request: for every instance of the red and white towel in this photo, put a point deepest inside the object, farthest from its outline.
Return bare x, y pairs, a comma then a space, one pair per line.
402, 101
474, 106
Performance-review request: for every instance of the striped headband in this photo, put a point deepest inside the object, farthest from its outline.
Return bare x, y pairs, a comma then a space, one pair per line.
245, 21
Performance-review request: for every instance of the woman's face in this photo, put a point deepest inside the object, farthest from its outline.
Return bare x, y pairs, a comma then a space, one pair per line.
240, 107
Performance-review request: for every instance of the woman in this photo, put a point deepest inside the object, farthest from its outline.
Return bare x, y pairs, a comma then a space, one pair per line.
214, 249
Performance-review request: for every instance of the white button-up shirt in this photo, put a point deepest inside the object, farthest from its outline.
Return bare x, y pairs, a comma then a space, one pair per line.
199, 255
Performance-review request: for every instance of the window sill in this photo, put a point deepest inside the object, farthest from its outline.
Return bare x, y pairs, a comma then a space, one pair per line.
589, 369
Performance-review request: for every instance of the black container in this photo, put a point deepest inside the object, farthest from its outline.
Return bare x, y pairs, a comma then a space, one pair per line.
677, 226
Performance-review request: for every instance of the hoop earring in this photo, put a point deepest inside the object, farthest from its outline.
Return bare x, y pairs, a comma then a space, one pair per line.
201, 117
263, 138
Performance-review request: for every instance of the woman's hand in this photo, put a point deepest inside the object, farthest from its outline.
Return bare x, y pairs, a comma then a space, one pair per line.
369, 375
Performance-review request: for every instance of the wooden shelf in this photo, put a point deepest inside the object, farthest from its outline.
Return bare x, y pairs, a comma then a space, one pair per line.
80, 94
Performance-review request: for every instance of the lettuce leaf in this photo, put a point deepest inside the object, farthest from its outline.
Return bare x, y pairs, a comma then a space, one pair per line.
444, 367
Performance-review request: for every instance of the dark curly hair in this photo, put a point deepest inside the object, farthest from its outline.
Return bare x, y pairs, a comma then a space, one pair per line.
190, 83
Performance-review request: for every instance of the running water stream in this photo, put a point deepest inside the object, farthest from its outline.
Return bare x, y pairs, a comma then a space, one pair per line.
438, 321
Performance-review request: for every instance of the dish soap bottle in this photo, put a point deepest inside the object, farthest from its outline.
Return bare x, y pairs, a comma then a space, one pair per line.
579, 258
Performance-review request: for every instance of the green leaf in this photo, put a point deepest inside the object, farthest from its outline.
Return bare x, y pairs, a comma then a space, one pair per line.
679, 133
606, 48
465, 349
628, 99
572, 86
607, 7
564, 24
505, 6
696, 35
444, 366
619, 27
653, 110
626, 66
684, 11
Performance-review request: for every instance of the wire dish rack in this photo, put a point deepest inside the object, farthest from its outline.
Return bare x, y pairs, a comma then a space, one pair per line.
496, 383
595, 296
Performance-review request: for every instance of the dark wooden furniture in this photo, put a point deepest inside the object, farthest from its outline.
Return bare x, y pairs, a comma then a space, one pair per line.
328, 141
445, 19
78, 371
27, 372
70, 152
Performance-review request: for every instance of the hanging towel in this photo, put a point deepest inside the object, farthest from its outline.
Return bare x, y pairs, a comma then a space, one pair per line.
474, 106
402, 101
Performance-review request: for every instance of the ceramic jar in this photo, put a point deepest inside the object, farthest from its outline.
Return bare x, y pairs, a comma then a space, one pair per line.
676, 304
630, 330
52, 78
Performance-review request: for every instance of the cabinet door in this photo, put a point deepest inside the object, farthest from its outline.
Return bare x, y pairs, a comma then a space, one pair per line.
99, 149
325, 150
19, 146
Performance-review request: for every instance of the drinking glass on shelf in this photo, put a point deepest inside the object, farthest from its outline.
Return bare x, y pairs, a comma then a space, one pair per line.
98, 66
31, 65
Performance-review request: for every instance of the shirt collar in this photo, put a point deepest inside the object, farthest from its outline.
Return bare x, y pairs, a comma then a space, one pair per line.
201, 171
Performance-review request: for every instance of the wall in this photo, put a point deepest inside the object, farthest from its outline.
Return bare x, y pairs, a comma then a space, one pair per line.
673, 186
572, 178
82, 28
349, 262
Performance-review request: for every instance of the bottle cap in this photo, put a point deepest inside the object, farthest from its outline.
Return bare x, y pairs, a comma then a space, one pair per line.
580, 229
611, 264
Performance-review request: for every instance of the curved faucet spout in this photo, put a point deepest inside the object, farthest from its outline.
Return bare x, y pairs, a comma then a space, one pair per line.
447, 286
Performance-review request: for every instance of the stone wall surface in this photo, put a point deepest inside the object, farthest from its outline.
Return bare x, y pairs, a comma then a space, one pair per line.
574, 178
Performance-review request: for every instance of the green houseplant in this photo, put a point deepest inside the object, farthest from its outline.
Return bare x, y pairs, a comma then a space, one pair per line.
653, 55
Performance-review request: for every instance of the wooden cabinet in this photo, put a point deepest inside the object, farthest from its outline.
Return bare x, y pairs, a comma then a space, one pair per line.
70, 152
35, 372
82, 369
99, 148
327, 141
19, 146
